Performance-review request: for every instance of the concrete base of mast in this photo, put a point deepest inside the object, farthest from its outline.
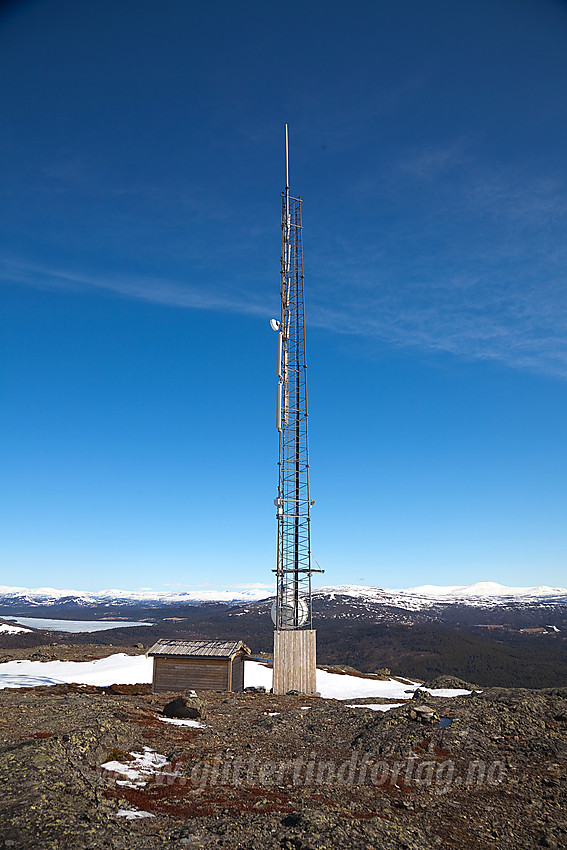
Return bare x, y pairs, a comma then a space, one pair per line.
295, 653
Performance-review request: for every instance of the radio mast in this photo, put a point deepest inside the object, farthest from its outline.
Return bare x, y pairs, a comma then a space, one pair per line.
294, 638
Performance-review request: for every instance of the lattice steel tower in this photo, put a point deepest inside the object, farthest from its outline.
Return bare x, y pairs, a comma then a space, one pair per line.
294, 654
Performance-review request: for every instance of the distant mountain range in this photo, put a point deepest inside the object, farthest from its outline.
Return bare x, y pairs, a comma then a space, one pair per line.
484, 604
49, 596
484, 633
413, 599
485, 594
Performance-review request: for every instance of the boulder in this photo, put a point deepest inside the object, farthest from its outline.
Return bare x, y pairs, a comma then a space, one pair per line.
383, 673
423, 713
421, 694
184, 708
450, 682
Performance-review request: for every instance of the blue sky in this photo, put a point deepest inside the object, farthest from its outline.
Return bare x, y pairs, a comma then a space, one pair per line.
141, 169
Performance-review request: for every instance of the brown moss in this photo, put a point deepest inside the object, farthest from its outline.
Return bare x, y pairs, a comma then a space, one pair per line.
116, 754
167, 799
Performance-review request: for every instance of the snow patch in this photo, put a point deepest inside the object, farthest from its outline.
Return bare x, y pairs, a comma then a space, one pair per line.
448, 692
183, 722
142, 767
343, 686
6, 628
133, 814
120, 669
133, 669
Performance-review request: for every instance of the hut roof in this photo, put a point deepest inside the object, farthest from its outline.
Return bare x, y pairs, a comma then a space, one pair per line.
199, 648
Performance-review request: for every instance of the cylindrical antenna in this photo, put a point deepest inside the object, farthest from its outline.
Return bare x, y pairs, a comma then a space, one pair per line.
279, 407
286, 160
279, 355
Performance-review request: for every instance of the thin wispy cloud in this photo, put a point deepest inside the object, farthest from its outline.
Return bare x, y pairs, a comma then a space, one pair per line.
157, 290
432, 161
480, 275
482, 317
477, 269
469, 318
535, 344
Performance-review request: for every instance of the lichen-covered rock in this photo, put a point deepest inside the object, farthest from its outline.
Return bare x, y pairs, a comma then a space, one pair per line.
423, 713
185, 708
421, 695
383, 673
450, 682
267, 774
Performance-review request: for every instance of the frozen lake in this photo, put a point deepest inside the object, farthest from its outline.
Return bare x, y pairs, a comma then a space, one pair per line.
77, 625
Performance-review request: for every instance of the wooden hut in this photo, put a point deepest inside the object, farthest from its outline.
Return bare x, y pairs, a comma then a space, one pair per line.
211, 665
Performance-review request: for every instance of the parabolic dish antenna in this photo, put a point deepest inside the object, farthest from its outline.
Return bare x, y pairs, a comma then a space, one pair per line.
287, 613
274, 324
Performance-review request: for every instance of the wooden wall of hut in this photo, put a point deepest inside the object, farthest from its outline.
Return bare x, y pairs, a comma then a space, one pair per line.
181, 674
238, 673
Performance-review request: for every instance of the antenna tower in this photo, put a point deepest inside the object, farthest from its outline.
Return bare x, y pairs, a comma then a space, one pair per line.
294, 655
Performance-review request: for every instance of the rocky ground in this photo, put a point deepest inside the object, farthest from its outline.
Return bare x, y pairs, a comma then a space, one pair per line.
481, 771
67, 652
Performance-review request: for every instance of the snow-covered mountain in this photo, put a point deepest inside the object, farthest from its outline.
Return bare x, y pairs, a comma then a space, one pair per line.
481, 595
50, 596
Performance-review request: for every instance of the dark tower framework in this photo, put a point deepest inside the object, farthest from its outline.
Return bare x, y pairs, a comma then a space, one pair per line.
293, 609
294, 638
293, 508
